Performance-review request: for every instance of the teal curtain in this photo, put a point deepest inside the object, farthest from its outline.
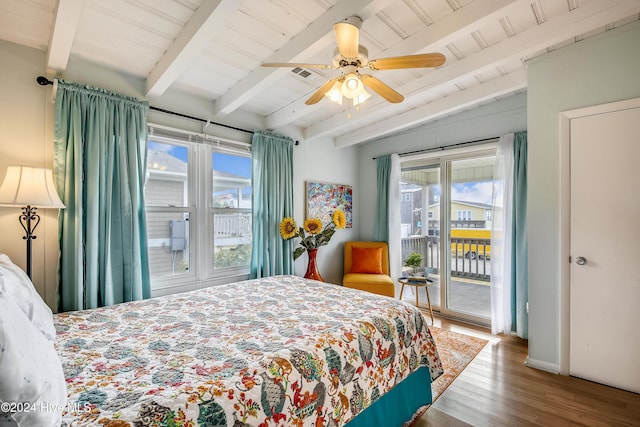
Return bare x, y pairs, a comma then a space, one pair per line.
272, 200
100, 164
383, 166
519, 248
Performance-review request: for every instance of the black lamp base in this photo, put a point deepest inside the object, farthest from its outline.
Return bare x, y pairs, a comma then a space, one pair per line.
29, 220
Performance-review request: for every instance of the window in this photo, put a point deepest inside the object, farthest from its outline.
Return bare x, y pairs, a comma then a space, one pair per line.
168, 202
231, 210
198, 206
464, 215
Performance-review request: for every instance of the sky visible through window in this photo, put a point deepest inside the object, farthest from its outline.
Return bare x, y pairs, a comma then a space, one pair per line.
237, 165
223, 162
175, 150
230, 163
472, 192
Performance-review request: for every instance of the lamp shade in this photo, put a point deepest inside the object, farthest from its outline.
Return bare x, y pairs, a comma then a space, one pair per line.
352, 86
361, 98
335, 93
26, 186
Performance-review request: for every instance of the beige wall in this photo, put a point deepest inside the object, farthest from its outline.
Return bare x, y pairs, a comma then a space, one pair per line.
26, 138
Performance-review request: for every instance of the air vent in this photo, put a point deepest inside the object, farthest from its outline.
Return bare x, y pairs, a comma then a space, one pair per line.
308, 75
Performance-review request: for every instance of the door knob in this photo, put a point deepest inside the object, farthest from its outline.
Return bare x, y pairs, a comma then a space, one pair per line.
581, 260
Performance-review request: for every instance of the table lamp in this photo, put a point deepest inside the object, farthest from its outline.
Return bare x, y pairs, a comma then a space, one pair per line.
30, 188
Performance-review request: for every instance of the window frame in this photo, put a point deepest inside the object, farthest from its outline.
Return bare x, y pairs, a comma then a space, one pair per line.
200, 210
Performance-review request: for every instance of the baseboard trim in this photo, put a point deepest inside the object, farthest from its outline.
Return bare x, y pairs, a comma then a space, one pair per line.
554, 368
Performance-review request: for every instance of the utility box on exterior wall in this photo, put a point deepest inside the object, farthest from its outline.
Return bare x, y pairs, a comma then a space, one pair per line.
177, 235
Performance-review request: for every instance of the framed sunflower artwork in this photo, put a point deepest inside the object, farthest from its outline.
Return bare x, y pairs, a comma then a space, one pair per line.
324, 198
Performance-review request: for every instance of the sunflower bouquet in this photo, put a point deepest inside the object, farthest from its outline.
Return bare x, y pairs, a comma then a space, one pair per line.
312, 234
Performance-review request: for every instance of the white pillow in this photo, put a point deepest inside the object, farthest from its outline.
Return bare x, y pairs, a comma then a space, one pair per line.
30, 371
18, 287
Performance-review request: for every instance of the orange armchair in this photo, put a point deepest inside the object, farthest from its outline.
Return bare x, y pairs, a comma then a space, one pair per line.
366, 267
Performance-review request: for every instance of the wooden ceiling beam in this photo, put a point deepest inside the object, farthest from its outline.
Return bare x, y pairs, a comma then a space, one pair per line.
208, 19
63, 32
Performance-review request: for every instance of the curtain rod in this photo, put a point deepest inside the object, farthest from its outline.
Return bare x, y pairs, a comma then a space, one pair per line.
43, 81
442, 147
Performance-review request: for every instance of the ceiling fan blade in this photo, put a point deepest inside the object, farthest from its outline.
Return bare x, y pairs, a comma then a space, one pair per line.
296, 64
381, 89
348, 38
317, 95
424, 60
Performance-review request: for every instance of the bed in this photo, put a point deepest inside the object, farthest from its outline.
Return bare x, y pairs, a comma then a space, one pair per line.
277, 351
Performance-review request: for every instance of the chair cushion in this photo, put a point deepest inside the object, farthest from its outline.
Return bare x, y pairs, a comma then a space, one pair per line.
380, 284
366, 260
370, 279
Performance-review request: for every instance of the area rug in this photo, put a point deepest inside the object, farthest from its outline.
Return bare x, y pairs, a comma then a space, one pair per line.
456, 351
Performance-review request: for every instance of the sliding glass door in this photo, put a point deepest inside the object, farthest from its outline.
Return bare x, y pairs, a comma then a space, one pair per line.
420, 193
470, 185
446, 218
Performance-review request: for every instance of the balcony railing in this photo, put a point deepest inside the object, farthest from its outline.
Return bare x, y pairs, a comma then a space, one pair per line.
470, 258
232, 225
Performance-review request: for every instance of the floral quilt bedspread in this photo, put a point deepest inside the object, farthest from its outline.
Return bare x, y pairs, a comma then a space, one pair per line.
277, 351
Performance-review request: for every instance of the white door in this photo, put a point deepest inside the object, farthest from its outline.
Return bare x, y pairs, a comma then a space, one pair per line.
605, 248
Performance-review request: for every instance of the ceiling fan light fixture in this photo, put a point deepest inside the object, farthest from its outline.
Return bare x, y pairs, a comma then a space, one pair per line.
335, 93
352, 87
361, 98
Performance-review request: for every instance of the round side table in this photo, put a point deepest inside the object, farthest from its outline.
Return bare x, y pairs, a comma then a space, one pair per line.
418, 282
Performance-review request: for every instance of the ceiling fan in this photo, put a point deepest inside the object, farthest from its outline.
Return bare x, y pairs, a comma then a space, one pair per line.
350, 57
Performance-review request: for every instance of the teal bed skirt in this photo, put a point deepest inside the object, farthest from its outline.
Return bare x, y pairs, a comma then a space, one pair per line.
399, 404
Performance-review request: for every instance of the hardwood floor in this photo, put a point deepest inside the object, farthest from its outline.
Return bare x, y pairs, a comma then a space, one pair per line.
497, 389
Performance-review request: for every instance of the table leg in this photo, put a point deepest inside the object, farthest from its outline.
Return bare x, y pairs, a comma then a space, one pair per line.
401, 291
417, 289
426, 288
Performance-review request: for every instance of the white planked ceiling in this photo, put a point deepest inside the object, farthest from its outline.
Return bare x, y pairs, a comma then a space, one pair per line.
214, 48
